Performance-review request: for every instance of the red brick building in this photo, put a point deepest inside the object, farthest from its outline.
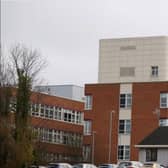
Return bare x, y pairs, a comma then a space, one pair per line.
59, 126
106, 117
129, 100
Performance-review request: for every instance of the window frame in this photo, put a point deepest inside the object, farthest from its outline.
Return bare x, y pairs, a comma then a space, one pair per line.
125, 100
87, 129
155, 71
151, 154
123, 152
88, 102
126, 126
163, 96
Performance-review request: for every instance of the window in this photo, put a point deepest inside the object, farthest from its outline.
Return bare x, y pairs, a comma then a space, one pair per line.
57, 136
87, 153
51, 112
88, 103
67, 115
35, 109
125, 100
154, 71
123, 152
13, 105
124, 126
42, 110
87, 127
151, 154
58, 111
47, 109
164, 100
163, 122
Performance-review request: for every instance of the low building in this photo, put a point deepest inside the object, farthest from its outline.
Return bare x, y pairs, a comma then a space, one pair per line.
154, 147
132, 90
58, 124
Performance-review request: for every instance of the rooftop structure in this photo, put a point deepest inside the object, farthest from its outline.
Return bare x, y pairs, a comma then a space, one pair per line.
67, 91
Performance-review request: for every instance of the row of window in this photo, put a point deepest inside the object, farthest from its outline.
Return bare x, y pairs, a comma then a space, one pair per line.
59, 137
124, 127
126, 101
53, 112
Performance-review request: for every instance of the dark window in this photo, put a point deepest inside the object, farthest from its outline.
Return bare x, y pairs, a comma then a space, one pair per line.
121, 127
154, 71
125, 100
151, 154
124, 126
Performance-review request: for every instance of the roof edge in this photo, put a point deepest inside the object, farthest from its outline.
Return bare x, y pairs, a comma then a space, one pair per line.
151, 146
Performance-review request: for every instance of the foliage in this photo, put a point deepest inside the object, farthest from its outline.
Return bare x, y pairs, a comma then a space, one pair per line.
16, 137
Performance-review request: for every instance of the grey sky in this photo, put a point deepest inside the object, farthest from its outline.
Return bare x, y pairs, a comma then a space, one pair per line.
67, 32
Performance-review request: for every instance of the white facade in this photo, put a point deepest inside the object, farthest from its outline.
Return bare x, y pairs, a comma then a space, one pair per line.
162, 156
128, 60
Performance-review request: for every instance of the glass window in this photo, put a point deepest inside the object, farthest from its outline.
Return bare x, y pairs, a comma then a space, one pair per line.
35, 109
42, 110
88, 102
58, 111
151, 154
123, 152
125, 100
121, 126
87, 127
154, 71
163, 122
47, 109
124, 126
51, 112
164, 100
87, 153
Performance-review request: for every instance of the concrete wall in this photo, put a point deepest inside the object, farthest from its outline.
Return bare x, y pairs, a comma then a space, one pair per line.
138, 54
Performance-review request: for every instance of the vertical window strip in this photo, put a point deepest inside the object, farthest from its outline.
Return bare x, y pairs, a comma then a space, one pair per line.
88, 102
164, 100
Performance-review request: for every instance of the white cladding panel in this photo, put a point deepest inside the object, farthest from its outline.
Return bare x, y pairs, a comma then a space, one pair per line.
130, 59
124, 139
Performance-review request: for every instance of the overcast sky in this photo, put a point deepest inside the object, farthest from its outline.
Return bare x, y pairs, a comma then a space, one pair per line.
67, 32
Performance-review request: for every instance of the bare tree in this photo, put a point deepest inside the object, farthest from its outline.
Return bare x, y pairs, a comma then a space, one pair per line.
21, 72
